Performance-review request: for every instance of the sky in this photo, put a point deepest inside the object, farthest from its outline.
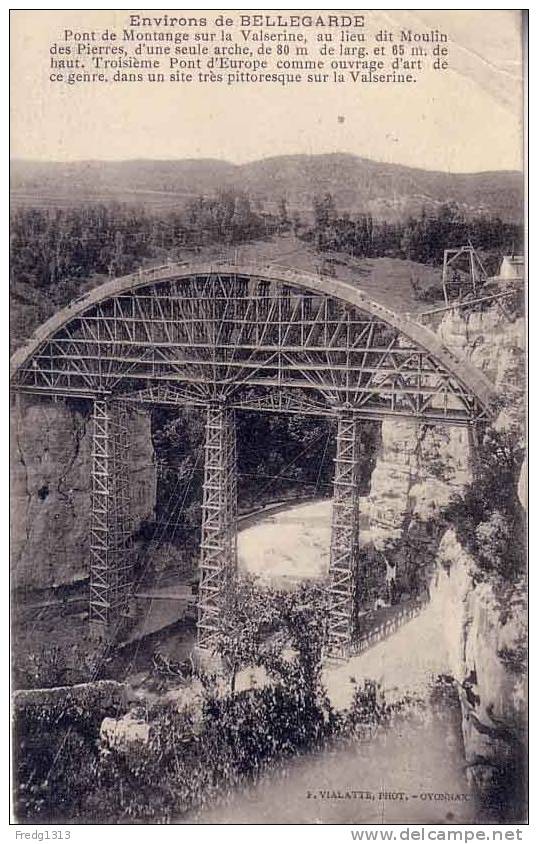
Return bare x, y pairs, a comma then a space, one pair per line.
465, 119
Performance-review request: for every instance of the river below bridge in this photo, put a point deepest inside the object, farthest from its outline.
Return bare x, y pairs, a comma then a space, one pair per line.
410, 772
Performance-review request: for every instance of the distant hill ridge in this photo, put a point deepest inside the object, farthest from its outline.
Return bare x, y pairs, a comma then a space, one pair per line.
388, 191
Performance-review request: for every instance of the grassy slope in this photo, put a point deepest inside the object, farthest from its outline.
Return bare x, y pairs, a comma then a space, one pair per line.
386, 280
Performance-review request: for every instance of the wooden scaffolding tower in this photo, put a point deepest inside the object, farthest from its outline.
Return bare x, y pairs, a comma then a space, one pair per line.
224, 338
342, 626
218, 553
463, 272
111, 563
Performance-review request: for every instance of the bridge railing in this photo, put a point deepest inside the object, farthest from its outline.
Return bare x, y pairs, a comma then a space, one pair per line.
389, 626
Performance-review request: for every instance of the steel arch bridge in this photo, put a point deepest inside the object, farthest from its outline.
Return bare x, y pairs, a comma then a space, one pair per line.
223, 337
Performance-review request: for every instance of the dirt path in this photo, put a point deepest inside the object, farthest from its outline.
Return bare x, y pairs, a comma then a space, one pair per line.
417, 758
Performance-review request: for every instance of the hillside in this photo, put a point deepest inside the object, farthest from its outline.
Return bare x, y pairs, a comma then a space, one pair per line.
387, 280
388, 191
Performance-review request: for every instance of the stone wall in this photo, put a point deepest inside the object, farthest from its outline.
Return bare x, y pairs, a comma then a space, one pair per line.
51, 487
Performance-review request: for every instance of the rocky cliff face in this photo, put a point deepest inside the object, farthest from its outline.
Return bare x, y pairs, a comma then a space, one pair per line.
420, 466
492, 341
396, 471
51, 486
483, 638
418, 470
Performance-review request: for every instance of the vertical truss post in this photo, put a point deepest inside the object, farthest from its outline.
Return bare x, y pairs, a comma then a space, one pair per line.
111, 568
218, 558
344, 538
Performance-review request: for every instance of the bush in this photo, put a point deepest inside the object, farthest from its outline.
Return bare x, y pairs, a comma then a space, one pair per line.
55, 739
53, 666
64, 773
487, 517
188, 762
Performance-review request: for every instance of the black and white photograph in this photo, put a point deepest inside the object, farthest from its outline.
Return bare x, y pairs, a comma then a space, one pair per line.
268, 418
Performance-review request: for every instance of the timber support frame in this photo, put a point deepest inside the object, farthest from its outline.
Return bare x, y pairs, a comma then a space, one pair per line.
342, 624
218, 551
111, 564
224, 336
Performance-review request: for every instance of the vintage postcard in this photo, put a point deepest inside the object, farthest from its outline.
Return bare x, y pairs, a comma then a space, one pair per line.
268, 408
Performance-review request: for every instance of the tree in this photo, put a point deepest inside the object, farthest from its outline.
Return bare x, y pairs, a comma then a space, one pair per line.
282, 211
244, 624
242, 218
324, 215
488, 518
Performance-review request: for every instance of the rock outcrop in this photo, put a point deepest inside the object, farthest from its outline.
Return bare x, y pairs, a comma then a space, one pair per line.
483, 638
419, 465
419, 468
51, 489
491, 341
396, 471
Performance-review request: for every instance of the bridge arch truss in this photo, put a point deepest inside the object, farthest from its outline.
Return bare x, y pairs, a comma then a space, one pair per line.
226, 337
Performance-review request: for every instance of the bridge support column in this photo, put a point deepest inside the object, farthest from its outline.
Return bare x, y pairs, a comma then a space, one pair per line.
218, 559
344, 538
111, 565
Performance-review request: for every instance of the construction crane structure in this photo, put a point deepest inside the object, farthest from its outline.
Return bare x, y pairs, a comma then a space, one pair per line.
463, 273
